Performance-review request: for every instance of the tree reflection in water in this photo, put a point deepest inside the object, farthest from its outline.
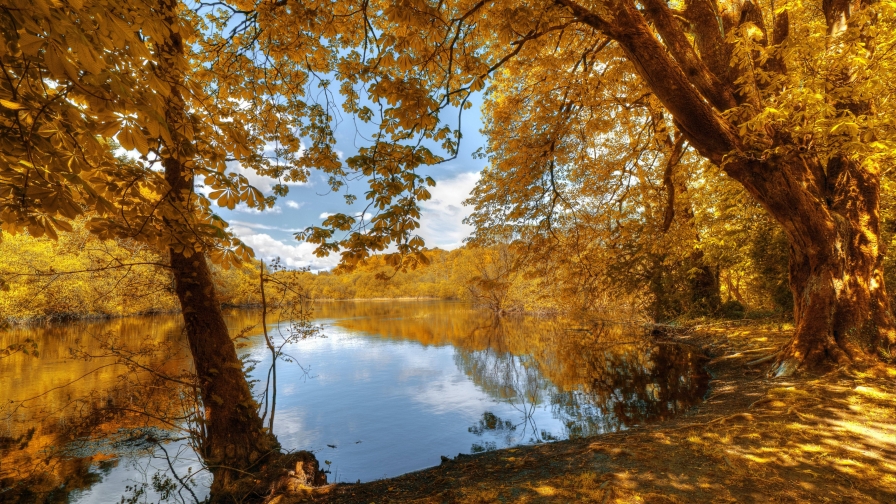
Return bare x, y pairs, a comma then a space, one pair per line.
133, 389
91, 399
600, 379
512, 379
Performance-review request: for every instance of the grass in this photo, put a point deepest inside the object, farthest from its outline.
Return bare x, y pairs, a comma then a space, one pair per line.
813, 439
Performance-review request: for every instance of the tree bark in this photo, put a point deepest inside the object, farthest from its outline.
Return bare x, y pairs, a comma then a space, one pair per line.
832, 221
831, 215
234, 441
234, 438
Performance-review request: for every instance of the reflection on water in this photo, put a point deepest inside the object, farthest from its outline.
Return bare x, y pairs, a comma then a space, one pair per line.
95, 392
391, 387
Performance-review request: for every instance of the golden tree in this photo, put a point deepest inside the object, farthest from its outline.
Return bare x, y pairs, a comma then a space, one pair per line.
791, 100
159, 79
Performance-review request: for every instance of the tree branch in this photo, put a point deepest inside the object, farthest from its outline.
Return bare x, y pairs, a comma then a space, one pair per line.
701, 77
703, 127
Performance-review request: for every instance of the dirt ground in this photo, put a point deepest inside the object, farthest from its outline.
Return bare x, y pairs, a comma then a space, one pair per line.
813, 439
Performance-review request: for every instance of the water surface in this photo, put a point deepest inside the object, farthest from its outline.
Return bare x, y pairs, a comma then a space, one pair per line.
388, 388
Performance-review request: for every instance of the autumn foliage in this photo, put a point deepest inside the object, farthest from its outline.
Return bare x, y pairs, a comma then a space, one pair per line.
625, 142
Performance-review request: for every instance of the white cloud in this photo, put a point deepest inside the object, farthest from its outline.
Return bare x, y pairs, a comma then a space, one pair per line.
367, 215
441, 219
260, 182
253, 227
294, 205
294, 256
241, 207
440, 226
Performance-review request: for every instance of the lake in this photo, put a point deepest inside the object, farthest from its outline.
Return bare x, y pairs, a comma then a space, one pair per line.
388, 387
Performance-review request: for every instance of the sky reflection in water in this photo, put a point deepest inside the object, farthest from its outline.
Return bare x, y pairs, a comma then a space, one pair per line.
394, 385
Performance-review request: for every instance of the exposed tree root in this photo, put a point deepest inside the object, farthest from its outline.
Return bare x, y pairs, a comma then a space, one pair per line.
761, 360
289, 474
805, 354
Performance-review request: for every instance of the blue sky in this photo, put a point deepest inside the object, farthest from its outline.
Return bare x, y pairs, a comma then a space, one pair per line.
270, 233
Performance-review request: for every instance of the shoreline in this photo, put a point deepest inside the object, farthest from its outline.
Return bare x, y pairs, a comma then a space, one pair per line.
61, 318
17, 323
828, 438
331, 300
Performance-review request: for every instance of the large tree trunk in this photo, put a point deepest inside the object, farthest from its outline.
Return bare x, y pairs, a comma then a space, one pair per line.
234, 441
830, 212
831, 218
234, 438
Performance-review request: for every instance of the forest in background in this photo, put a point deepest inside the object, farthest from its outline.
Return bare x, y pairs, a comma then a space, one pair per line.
79, 275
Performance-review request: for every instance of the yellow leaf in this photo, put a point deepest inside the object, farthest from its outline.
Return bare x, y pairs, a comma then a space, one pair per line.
109, 129
12, 105
405, 63
30, 44
126, 139
140, 142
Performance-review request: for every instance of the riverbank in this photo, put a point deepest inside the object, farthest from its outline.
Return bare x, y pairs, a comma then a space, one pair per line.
66, 317
405, 298
828, 438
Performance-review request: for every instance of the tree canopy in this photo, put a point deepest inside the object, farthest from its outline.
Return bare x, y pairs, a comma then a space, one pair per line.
590, 105
81, 75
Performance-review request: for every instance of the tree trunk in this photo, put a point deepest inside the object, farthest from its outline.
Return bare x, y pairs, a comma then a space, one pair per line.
830, 212
706, 291
234, 440
831, 218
